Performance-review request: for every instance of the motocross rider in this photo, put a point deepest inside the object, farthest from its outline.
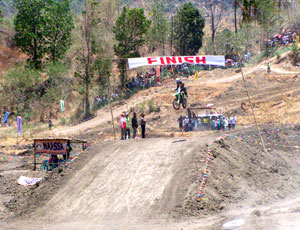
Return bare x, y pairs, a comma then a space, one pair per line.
181, 87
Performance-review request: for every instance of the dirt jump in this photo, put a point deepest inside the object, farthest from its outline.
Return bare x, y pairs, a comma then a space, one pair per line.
174, 180
155, 183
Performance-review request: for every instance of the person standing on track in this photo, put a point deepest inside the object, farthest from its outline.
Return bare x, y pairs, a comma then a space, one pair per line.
233, 122
123, 126
269, 67
143, 125
127, 136
135, 125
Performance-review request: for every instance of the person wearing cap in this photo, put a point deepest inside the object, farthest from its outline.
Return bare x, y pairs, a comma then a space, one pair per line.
127, 134
123, 126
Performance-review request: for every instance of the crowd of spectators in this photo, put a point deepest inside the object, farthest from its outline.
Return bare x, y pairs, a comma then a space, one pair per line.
143, 80
202, 123
282, 39
102, 101
234, 60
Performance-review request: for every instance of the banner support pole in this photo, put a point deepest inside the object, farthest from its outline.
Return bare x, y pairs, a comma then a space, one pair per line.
251, 106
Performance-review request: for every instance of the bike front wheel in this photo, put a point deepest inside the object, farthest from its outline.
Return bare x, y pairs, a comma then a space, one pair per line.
176, 104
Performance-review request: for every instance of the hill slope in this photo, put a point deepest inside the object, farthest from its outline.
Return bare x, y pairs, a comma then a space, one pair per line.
126, 184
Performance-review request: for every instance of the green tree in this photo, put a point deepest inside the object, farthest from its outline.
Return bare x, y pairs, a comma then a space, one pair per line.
85, 59
188, 29
30, 34
159, 29
130, 30
101, 69
59, 27
43, 27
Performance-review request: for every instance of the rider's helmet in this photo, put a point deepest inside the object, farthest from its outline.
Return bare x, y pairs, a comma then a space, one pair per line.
178, 81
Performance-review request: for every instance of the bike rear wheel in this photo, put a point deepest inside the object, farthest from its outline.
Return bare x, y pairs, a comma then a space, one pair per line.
184, 103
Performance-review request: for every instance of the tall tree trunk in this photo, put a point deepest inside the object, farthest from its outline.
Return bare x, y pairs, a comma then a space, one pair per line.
235, 19
87, 101
212, 29
110, 107
88, 31
163, 46
172, 35
35, 53
123, 72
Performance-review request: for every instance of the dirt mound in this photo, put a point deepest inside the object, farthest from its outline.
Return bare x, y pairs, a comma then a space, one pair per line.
238, 174
162, 177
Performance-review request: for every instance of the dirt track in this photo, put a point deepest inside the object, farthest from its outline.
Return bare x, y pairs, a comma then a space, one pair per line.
153, 183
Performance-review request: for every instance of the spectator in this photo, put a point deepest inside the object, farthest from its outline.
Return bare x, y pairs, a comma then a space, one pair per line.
230, 123
233, 122
225, 123
215, 123
218, 124
134, 125
50, 124
127, 135
269, 67
55, 161
180, 121
199, 123
187, 125
143, 125
123, 126
192, 124
69, 149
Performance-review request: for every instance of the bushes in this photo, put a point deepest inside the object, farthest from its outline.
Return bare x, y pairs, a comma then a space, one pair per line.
63, 121
142, 107
295, 54
152, 107
35, 94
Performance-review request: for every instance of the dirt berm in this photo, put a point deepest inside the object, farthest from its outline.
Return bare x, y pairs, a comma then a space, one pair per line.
160, 178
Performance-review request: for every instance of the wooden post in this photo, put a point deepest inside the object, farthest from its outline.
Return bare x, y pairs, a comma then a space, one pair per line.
34, 167
248, 95
110, 107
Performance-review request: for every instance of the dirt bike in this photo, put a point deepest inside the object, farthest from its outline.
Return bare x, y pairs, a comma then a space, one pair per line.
179, 99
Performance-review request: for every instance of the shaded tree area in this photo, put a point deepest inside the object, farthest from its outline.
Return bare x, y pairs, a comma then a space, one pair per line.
43, 27
130, 30
188, 30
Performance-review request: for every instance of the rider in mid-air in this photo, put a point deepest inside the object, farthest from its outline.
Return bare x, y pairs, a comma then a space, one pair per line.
181, 87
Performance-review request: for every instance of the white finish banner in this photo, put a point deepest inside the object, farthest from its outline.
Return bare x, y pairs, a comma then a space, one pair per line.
178, 60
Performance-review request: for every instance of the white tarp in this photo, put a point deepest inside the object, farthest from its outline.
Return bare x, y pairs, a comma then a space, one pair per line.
26, 181
176, 60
